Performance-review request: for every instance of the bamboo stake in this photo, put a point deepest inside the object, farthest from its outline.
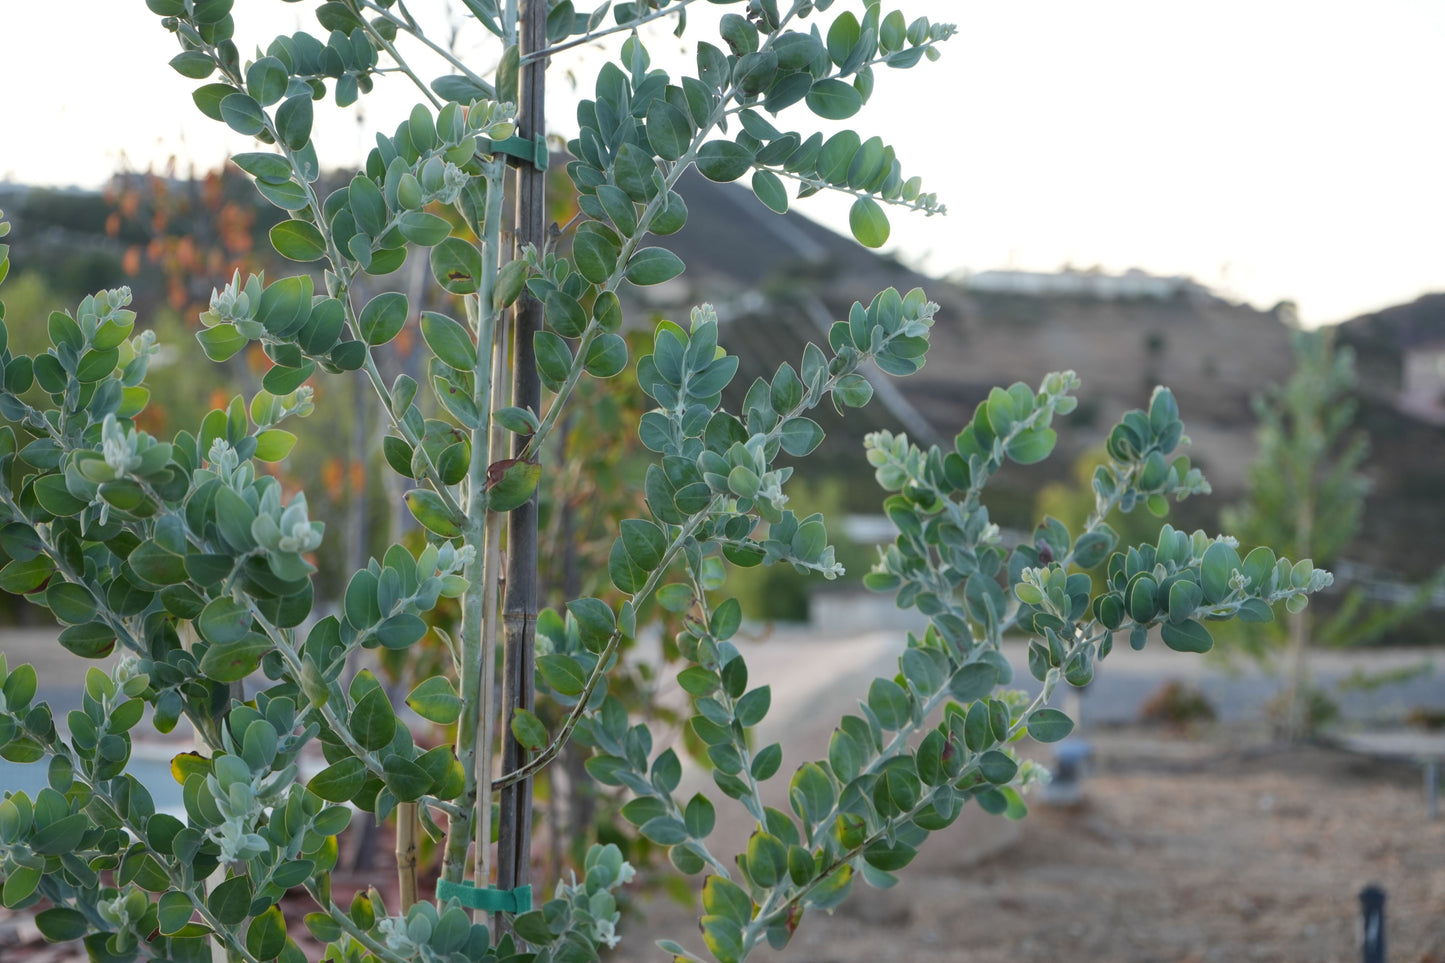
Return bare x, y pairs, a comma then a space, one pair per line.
487, 736
501, 384
406, 869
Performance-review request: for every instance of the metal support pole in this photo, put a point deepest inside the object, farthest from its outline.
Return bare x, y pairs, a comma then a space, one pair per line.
519, 614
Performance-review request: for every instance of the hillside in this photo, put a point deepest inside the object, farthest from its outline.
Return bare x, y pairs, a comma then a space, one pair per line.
1399, 352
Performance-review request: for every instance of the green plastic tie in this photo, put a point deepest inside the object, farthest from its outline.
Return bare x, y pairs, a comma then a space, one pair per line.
487, 898
533, 151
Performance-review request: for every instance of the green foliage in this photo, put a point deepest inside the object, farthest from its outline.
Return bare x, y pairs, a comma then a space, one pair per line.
195, 564
1309, 457
1307, 492
1307, 489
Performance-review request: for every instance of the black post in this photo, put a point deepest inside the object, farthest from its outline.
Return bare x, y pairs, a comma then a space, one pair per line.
519, 609
1372, 924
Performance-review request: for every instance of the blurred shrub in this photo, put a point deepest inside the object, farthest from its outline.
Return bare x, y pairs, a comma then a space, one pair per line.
1177, 705
1320, 711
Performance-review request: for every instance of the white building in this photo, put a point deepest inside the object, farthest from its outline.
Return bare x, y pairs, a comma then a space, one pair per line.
1133, 284
1422, 382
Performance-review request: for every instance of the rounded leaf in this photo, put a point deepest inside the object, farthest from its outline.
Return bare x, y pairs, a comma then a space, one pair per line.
242, 114
273, 444
669, 130
1187, 636
834, 99
421, 227
266, 79
1049, 725
298, 240
770, 190
339, 782
510, 483
373, 723
456, 265
528, 730
723, 161
293, 121
193, 64
595, 255
653, 265
368, 206
606, 356
449, 341
1034, 445
868, 222
427, 508
383, 317
436, 701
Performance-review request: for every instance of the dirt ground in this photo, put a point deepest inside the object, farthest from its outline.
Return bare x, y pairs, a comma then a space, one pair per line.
1210, 847
1215, 846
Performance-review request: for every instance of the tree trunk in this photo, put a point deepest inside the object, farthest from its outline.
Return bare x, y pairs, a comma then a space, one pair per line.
1298, 724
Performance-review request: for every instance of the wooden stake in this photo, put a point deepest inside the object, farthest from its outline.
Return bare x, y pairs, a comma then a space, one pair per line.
406, 827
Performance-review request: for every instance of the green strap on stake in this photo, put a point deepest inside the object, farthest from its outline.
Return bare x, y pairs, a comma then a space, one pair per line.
487, 898
533, 152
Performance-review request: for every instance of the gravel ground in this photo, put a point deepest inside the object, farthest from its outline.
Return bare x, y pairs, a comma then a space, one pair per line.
1199, 848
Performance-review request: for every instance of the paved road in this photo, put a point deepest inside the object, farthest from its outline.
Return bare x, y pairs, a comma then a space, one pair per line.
817, 674
801, 662
810, 660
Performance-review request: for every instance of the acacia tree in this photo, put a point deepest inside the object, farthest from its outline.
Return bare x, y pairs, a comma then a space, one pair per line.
195, 564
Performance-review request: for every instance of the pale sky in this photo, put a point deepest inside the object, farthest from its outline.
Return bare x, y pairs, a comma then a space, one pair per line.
1271, 149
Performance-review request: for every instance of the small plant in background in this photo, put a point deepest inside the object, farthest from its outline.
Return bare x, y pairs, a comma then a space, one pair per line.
1178, 705
1302, 715
1425, 718
183, 555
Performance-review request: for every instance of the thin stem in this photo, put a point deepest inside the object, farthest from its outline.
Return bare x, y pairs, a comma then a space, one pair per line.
429, 469
854, 192
593, 35
477, 647
203, 726
375, 37
343, 919
412, 30
342, 267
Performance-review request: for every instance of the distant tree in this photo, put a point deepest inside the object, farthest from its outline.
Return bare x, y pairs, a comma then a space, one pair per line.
1306, 490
